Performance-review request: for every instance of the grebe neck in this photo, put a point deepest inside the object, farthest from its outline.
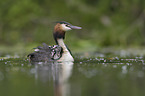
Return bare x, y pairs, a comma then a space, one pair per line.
66, 56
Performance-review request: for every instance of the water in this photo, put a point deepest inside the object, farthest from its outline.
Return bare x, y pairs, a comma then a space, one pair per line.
97, 75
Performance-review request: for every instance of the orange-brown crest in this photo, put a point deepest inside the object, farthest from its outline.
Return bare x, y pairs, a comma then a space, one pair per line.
58, 28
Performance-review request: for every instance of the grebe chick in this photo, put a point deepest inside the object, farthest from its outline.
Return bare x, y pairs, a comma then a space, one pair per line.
59, 52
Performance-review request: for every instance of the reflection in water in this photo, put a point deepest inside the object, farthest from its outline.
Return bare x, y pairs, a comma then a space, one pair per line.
98, 76
58, 72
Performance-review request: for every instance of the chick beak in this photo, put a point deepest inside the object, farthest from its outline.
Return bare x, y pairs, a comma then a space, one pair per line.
75, 27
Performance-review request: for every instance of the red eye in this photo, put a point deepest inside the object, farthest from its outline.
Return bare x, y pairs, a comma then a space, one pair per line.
67, 25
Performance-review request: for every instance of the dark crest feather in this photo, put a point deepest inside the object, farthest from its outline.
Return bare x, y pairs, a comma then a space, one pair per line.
63, 22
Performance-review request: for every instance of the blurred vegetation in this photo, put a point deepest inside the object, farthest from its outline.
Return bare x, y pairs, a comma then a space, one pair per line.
104, 22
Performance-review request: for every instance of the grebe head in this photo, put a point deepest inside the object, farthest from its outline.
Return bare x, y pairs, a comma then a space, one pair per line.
61, 27
65, 26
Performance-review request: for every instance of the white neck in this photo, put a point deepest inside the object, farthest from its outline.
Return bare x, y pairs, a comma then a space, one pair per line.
66, 56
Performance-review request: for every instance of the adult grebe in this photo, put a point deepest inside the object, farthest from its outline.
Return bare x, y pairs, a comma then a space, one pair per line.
58, 52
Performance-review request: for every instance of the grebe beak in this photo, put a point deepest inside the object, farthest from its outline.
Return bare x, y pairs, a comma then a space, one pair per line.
75, 27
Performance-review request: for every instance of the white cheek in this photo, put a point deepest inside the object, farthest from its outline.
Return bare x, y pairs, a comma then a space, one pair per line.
65, 28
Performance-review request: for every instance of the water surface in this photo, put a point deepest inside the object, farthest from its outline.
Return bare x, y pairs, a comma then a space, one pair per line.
97, 75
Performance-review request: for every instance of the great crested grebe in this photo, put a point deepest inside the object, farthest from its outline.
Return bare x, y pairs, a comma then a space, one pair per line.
59, 52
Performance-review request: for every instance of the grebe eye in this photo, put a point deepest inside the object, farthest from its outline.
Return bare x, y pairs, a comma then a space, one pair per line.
67, 25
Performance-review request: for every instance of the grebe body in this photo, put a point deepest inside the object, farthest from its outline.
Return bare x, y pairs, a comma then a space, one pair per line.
59, 52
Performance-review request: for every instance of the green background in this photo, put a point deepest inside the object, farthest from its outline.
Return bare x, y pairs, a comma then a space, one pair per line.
105, 23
